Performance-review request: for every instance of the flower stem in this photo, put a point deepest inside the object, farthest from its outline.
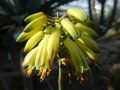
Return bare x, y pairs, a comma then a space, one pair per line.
60, 78
64, 15
52, 20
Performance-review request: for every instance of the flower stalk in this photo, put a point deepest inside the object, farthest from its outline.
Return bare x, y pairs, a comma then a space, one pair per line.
60, 77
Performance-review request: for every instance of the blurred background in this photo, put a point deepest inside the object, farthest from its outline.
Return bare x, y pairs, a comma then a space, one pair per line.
106, 17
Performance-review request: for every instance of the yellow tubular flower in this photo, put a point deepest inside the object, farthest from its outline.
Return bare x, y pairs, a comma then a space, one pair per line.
24, 36
53, 43
76, 59
86, 30
33, 41
45, 68
89, 53
33, 16
48, 52
30, 61
70, 27
36, 24
77, 13
42, 62
89, 42
82, 76
44, 56
83, 59
86, 22
40, 50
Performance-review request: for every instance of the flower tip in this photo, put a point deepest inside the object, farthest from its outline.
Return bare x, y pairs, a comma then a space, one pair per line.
26, 30
26, 20
33, 16
17, 40
26, 49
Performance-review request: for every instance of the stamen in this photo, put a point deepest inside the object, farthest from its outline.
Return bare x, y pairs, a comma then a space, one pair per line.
69, 75
78, 78
82, 78
28, 72
39, 73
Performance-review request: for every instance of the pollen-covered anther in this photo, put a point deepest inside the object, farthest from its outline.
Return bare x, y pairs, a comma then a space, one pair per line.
27, 72
77, 78
82, 79
43, 74
39, 73
48, 72
69, 75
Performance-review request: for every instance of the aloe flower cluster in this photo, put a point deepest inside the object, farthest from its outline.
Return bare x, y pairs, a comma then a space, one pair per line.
49, 38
